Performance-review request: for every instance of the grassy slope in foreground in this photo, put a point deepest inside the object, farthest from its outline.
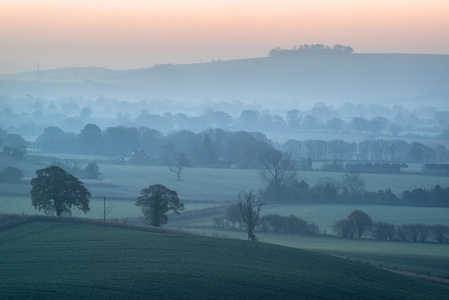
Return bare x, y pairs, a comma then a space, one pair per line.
80, 261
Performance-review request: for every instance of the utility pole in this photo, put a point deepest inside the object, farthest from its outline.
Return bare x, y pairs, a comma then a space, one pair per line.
104, 213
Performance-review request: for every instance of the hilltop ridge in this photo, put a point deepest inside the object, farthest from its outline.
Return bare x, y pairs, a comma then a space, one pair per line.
357, 78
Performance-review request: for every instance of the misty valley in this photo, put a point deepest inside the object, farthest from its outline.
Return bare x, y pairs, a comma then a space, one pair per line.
363, 186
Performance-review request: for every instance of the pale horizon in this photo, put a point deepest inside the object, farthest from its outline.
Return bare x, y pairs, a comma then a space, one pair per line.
140, 34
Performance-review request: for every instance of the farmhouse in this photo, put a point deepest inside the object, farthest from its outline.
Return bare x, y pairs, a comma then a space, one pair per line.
436, 169
139, 155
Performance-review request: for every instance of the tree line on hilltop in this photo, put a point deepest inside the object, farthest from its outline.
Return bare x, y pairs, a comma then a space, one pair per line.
310, 49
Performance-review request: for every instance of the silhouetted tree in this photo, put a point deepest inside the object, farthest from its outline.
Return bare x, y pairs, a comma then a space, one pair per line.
245, 148
335, 124
344, 228
10, 174
90, 139
232, 215
352, 184
249, 119
250, 207
177, 162
327, 187
121, 140
362, 221
278, 168
55, 190
53, 139
155, 201
16, 145
91, 171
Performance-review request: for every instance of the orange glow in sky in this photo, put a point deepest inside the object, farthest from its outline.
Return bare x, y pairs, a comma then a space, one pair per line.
133, 34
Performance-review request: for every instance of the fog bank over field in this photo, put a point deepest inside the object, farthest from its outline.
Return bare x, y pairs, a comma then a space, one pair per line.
411, 80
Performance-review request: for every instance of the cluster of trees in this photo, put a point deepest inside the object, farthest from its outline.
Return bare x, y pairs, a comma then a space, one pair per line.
212, 147
90, 171
12, 144
282, 185
370, 150
311, 49
358, 224
288, 225
217, 146
30, 116
232, 219
56, 191
246, 214
351, 189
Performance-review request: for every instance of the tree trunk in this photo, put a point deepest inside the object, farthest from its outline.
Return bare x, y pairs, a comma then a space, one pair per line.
58, 208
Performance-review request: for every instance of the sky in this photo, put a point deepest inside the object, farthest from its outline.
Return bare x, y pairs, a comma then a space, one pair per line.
132, 34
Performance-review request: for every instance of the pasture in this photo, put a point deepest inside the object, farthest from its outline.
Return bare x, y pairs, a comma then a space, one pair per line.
207, 192
224, 184
201, 213
420, 258
125, 180
68, 260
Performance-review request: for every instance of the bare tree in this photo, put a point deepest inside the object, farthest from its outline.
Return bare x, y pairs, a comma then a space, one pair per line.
352, 184
278, 168
177, 162
250, 207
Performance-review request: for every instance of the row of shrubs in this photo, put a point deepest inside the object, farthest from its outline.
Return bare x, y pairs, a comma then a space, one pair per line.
273, 223
359, 224
91, 171
415, 232
356, 225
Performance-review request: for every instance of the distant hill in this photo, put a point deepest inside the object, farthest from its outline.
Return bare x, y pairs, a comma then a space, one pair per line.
65, 260
408, 79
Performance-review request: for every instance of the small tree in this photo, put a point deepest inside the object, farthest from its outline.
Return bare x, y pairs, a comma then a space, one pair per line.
278, 168
91, 171
155, 201
344, 228
55, 190
250, 207
361, 220
11, 174
357, 222
352, 184
233, 216
328, 187
177, 162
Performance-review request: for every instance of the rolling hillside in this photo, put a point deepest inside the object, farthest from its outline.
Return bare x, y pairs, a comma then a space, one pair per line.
360, 78
55, 260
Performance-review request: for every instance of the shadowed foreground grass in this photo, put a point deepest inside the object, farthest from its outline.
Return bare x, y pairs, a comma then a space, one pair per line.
64, 260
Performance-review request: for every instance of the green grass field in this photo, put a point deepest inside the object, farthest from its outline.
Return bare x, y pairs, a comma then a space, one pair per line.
421, 258
63, 260
206, 192
126, 180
